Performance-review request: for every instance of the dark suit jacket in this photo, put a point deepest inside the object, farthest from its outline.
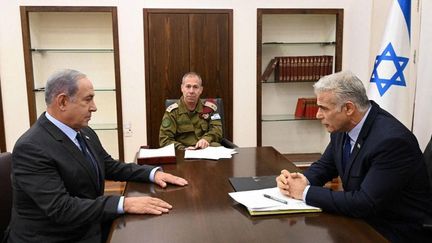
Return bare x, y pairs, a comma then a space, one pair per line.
56, 196
385, 181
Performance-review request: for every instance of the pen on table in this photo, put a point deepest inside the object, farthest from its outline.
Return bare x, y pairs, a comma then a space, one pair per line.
276, 199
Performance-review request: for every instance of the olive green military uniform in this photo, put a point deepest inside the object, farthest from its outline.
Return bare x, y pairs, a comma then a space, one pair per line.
185, 128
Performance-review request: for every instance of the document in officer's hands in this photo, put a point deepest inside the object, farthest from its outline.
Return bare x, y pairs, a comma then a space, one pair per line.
271, 201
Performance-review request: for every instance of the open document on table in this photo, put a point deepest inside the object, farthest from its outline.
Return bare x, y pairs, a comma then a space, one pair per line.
213, 153
270, 201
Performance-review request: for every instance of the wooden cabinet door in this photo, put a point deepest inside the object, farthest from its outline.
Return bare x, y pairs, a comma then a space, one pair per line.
179, 41
210, 56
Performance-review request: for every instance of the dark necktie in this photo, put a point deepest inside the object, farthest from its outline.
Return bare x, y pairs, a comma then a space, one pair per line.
87, 154
346, 151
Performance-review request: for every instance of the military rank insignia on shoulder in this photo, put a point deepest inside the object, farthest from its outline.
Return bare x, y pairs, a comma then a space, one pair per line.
172, 107
215, 116
210, 104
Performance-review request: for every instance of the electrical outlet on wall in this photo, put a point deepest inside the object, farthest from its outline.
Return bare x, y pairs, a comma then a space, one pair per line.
127, 129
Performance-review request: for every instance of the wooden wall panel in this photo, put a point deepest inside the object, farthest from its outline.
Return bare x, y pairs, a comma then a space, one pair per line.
178, 41
210, 54
168, 50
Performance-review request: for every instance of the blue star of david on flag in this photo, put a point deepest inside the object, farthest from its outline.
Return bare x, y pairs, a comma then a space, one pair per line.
398, 78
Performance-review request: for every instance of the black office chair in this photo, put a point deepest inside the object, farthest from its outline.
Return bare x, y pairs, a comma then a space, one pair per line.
5, 191
220, 109
427, 154
428, 159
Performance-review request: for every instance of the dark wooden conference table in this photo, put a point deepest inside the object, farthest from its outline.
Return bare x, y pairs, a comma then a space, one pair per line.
204, 212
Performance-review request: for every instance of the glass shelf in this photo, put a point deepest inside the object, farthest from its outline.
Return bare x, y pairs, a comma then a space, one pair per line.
74, 50
103, 126
97, 90
323, 43
286, 117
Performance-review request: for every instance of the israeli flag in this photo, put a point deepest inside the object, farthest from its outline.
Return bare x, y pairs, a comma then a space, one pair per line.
390, 84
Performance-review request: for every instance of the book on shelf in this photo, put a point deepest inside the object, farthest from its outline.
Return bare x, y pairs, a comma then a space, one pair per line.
311, 108
316, 67
271, 201
302, 68
291, 69
279, 71
306, 108
269, 69
300, 108
164, 155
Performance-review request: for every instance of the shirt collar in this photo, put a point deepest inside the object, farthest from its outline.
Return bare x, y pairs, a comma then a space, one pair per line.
71, 133
354, 133
183, 108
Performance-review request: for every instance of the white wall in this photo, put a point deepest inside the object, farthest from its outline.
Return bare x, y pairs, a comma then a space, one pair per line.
12, 74
356, 42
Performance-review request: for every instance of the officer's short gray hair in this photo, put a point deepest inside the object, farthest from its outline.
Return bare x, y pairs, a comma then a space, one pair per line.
192, 75
63, 81
346, 87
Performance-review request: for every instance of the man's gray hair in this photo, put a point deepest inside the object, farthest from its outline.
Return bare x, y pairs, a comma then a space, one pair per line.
192, 75
346, 87
63, 81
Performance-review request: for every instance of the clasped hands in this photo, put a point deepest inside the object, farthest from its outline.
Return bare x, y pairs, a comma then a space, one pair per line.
292, 184
152, 205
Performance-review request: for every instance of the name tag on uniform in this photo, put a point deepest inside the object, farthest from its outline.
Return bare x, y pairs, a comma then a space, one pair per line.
215, 116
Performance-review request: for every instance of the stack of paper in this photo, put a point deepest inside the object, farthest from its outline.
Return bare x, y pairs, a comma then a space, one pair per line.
157, 156
271, 201
213, 153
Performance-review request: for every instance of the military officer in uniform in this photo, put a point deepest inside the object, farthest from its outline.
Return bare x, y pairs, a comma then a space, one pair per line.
191, 123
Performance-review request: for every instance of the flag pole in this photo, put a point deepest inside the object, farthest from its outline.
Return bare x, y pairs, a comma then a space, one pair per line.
415, 58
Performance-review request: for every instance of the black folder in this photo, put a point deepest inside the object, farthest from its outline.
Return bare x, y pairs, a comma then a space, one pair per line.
252, 183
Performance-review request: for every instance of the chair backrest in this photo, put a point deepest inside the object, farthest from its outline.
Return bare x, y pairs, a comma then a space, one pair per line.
5, 191
428, 159
427, 154
220, 110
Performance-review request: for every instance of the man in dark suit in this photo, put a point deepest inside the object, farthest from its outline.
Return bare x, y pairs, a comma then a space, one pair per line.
378, 159
59, 167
